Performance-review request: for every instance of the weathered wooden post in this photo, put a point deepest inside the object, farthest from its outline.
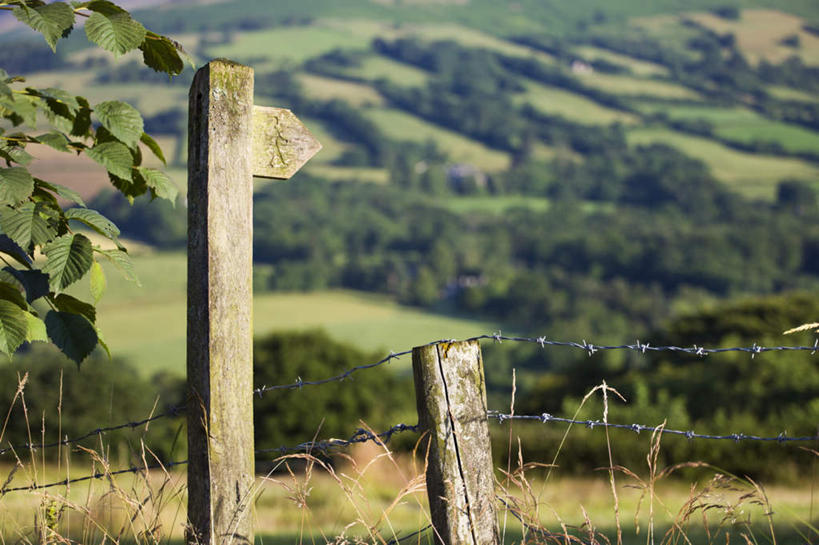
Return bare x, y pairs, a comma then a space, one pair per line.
451, 398
229, 141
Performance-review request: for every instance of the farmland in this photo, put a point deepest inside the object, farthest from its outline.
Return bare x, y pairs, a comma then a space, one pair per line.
146, 324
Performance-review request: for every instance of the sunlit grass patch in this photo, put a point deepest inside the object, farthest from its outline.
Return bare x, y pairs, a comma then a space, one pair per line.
753, 175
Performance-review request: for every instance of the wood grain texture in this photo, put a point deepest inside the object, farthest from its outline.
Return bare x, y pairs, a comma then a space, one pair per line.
451, 399
281, 143
220, 339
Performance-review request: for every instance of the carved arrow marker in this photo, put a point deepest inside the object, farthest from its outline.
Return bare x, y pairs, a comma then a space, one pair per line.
281, 143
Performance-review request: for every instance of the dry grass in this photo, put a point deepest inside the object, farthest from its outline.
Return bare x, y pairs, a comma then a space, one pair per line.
373, 495
759, 33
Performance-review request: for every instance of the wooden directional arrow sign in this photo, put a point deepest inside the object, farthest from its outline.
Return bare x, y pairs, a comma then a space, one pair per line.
281, 143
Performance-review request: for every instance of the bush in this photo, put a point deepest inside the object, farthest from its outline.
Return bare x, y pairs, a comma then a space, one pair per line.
60, 399
377, 397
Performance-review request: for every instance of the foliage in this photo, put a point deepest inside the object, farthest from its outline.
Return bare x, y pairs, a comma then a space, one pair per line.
33, 218
58, 401
336, 409
721, 394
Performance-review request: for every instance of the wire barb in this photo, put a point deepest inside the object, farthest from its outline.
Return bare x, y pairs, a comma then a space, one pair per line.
637, 428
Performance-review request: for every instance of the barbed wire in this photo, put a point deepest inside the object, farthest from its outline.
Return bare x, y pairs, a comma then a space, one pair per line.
361, 435
346, 374
641, 347
175, 411
99, 475
589, 348
637, 428
396, 540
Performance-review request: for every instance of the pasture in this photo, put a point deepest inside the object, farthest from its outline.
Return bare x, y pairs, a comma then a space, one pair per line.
743, 125
555, 101
638, 67
753, 175
638, 86
402, 126
759, 33
146, 324
375, 67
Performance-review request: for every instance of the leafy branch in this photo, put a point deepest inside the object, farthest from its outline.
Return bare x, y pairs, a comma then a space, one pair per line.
33, 220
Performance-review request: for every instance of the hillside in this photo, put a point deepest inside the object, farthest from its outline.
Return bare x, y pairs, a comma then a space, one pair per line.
584, 169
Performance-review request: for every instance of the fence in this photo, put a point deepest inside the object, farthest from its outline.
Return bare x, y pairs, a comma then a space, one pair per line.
452, 410
230, 141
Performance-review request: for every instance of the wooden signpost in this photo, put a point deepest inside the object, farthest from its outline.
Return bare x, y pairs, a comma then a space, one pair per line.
229, 141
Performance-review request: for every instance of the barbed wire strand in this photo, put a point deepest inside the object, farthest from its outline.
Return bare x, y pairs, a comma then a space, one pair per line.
359, 436
98, 475
637, 428
175, 411
396, 540
589, 348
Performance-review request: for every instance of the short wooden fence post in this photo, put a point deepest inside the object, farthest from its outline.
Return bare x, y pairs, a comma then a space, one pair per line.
229, 141
451, 397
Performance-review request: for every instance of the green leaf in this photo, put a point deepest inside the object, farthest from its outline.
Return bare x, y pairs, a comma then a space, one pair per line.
103, 344
69, 258
10, 248
25, 225
10, 292
162, 54
121, 261
64, 192
54, 139
115, 157
94, 220
158, 181
16, 185
21, 110
98, 282
34, 282
13, 327
36, 329
153, 146
67, 303
15, 154
53, 21
82, 121
59, 102
73, 334
121, 119
113, 30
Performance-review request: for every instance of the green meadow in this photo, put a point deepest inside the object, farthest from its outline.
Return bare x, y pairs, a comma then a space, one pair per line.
146, 324
743, 125
399, 125
552, 100
751, 174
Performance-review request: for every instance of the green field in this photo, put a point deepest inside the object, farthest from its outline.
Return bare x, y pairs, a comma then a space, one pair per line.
469, 37
753, 175
146, 324
552, 100
742, 125
789, 93
324, 88
636, 86
375, 67
288, 44
637, 66
399, 125
493, 204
